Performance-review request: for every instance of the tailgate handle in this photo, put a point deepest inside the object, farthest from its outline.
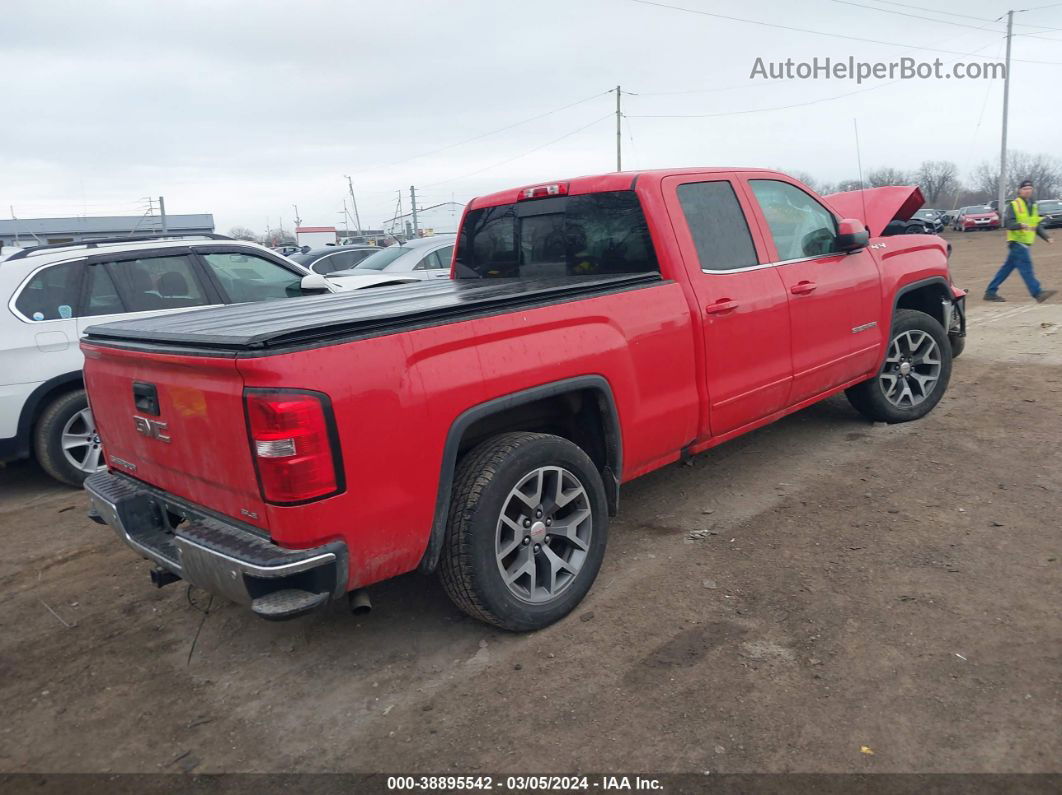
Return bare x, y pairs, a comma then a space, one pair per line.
146, 398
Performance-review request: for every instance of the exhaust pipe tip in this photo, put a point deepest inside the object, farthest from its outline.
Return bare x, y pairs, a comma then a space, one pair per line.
360, 603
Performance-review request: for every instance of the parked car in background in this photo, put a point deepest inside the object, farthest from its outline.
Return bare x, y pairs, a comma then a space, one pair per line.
980, 216
1051, 212
926, 221
418, 259
949, 216
327, 259
53, 293
595, 330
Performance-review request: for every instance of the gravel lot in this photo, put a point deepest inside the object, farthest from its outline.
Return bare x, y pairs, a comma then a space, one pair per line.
823, 595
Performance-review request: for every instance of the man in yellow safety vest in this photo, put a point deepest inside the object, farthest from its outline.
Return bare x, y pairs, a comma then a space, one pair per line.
1022, 222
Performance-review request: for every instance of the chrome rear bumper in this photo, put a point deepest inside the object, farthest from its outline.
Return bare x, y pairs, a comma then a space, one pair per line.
217, 555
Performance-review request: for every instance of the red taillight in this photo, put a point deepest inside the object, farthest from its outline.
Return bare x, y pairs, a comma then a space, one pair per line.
542, 191
294, 445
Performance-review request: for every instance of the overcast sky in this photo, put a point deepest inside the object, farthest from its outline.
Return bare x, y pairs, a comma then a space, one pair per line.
244, 108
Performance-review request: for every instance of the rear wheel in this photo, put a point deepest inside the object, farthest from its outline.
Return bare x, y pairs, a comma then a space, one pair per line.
526, 532
65, 440
914, 376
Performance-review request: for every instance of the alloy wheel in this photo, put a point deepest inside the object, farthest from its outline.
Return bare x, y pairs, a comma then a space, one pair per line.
543, 534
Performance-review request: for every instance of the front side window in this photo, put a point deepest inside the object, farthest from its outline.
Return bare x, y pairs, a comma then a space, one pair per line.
52, 294
436, 260
800, 226
153, 283
246, 277
718, 226
339, 261
590, 235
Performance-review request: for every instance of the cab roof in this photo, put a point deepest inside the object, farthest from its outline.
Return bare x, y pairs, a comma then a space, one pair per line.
599, 183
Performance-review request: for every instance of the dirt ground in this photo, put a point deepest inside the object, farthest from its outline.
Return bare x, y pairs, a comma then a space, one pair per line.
866, 599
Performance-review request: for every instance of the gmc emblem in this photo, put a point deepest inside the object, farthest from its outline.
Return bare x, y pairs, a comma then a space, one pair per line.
152, 429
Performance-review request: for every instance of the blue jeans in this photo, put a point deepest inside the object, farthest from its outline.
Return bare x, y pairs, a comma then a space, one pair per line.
1017, 257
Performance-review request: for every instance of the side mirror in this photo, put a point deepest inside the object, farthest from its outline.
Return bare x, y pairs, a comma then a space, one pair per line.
852, 235
315, 283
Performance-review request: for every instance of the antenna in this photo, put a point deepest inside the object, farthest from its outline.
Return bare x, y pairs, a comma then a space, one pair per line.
859, 166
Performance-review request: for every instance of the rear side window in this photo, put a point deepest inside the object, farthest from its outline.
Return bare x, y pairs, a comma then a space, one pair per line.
245, 277
591, 235
52, 294
718, 226
101, 295
153, 283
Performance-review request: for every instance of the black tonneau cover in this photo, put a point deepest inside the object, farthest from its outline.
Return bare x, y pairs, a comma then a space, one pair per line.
361, 313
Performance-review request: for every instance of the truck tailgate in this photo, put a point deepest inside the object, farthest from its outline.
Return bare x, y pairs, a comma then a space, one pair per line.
176, 422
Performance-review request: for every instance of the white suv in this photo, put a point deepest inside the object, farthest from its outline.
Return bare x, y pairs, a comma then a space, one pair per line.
55, 292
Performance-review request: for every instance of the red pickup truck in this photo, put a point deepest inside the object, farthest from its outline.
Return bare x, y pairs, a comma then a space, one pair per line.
288, 453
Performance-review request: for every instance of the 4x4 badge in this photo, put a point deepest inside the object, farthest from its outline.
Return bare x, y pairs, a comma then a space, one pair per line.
152, 429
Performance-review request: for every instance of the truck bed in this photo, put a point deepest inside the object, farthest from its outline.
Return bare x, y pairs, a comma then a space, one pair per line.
272, 326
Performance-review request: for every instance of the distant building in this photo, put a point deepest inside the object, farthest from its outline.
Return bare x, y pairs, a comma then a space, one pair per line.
315, 236
26, 232
439, 218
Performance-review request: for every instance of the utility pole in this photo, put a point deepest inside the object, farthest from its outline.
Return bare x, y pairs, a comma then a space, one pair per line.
11, 207
162, 212
619, 139
354, 203
1006, 105
413, 201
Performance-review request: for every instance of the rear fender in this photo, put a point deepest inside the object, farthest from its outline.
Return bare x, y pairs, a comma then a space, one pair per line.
612, 437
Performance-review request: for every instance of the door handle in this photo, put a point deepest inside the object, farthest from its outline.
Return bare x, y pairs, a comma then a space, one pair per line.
722, 305
803, 288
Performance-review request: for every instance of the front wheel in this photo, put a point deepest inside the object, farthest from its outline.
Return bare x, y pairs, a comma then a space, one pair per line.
914, 375
526, 531
958, 345
66, 441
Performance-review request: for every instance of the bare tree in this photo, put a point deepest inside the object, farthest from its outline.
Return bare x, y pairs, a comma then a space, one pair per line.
243, 233
880, 177
939, 181
275, 237
1044, 171
807, 179
847, 185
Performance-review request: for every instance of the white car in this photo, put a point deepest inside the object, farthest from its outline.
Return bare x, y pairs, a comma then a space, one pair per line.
415, 260
55, 292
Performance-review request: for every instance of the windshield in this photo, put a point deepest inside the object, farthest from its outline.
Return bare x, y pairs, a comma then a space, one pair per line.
381, 259
926, 214
1049, 206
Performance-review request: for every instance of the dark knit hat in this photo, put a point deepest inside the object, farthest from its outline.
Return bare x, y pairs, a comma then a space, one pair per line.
1026, 183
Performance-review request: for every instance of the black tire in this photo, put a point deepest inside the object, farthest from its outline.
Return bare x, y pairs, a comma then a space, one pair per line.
469, 567
869, 399
47, 437
958, 345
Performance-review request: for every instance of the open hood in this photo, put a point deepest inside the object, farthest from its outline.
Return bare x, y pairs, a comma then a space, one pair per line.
876, 207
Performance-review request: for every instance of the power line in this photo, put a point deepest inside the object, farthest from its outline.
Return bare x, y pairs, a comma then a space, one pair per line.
956, 14
915, 16
820, 32
609, 115
781, 107
486, 134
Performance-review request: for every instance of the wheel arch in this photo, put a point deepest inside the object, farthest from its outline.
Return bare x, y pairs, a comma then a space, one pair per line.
926, 295
34, 405
581, 409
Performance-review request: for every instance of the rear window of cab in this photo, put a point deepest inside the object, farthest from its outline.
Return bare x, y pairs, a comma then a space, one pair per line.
589, 235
